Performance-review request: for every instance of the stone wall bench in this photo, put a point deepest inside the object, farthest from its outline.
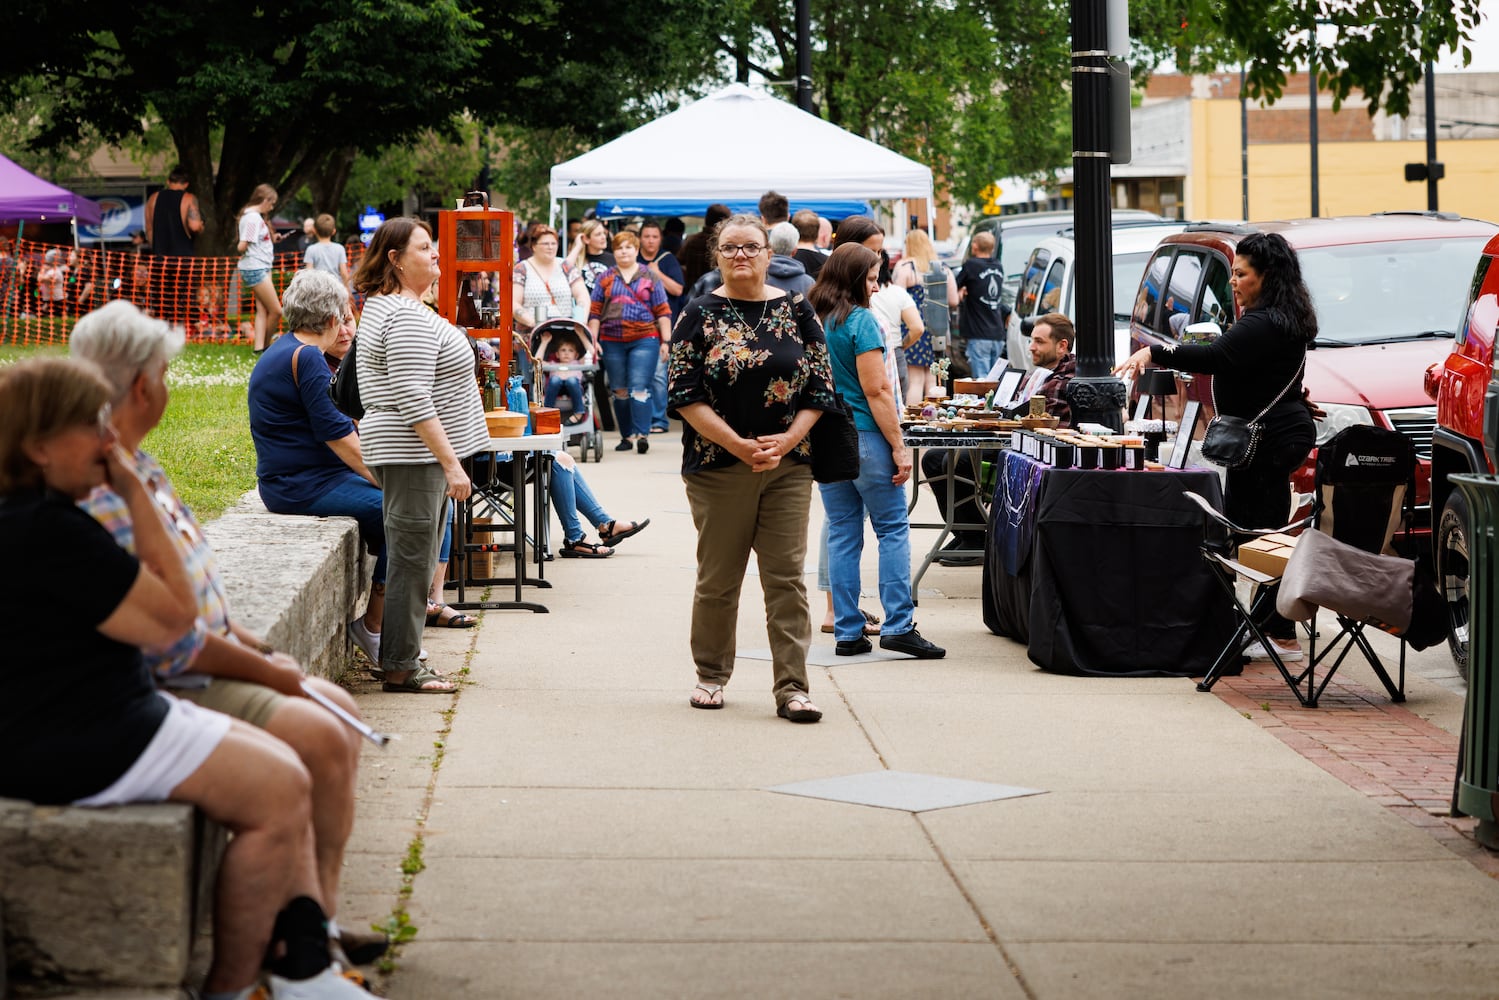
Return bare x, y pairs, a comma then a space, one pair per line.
114, 900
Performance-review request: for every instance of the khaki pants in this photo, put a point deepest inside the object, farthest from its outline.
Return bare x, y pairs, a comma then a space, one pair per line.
414, 502
737, 511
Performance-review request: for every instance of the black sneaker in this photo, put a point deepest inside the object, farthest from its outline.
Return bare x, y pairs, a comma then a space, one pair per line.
853, 647
642, 445
912, 644
624, 445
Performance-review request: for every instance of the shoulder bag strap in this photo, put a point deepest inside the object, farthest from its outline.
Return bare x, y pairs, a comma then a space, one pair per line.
1279, 395
294, 380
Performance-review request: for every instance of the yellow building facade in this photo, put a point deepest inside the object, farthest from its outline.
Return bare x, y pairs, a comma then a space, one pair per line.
1355, 178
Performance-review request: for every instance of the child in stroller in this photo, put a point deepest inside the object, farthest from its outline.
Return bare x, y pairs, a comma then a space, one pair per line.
569, 367
563, 378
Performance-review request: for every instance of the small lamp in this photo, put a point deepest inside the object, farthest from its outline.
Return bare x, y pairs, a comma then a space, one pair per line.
1157, 383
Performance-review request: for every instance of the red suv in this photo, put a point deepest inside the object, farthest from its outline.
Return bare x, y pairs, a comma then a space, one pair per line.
1385, 287
1465, 438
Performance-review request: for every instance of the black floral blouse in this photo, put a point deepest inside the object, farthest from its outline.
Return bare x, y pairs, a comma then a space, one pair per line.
755, 363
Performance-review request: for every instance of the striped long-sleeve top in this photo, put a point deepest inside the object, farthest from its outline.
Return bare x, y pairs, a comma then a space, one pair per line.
414, 365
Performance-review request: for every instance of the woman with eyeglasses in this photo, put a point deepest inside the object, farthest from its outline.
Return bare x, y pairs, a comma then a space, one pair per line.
630, 322
544, 282
749, 377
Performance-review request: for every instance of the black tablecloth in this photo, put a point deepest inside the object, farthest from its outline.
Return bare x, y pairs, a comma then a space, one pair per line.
1100, 573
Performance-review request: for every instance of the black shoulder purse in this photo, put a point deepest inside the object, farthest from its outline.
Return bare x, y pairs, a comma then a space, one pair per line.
1232, 441
835, 445
343, 387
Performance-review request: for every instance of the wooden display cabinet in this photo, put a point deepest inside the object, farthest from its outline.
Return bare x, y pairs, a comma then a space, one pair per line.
471, 242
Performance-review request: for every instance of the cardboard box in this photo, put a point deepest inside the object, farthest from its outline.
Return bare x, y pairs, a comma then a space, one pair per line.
1268, 554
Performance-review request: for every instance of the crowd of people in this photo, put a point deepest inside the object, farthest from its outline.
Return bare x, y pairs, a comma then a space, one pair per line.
748, 332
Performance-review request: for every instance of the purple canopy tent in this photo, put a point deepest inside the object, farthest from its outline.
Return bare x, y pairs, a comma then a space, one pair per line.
27, 197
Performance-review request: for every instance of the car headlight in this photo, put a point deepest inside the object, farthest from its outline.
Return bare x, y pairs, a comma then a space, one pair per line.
1339, 416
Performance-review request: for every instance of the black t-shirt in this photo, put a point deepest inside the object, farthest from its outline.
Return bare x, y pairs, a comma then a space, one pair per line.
86, 706
983, 306
594, 266
812, 260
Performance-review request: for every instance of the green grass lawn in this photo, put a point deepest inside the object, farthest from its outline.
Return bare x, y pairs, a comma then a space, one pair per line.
203, 442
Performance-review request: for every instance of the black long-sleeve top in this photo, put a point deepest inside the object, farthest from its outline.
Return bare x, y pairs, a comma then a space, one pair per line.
1250, 364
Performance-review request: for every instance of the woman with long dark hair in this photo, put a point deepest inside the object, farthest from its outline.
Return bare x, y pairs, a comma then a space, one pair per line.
1261, 357
856, 347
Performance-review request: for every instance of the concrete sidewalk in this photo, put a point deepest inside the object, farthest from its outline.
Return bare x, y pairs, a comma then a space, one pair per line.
571, 828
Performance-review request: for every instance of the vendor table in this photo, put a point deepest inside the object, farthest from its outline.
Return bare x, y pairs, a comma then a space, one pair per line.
1099, 572
533, 452
977, 446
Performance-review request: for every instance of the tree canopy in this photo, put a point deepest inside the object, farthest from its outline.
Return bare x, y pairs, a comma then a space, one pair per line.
294, 94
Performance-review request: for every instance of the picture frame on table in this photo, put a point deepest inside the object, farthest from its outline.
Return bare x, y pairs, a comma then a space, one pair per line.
1186, 428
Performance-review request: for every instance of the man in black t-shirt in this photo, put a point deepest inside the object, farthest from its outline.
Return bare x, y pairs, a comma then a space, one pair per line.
981, 285
807, 225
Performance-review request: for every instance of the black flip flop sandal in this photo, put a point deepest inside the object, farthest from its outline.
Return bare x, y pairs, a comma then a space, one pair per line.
798, 709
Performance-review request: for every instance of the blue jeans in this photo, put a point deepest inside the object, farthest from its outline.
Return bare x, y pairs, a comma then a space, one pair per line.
360, 499
631, 365
658, 400
571, 497
846, 505
984, 355
570, 388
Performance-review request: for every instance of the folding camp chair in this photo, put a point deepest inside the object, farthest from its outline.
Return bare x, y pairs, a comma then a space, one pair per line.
1366, 485
1221, 539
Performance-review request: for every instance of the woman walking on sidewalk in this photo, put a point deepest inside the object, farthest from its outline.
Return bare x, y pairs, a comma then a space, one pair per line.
749, 377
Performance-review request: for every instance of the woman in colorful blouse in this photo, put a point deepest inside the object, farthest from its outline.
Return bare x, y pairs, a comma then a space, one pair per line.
630, 320
749, 377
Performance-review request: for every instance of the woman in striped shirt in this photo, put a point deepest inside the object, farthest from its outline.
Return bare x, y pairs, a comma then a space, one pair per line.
422, 417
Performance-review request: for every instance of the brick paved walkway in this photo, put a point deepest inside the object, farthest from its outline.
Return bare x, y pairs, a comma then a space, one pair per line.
1389, 753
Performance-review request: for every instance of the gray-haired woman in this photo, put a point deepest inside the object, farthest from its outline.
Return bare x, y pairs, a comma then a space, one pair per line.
228, 668
307, 454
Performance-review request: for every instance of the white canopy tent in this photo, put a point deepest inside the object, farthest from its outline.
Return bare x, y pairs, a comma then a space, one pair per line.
734, 145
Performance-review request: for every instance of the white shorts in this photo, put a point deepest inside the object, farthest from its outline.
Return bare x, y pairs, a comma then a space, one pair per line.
187, 736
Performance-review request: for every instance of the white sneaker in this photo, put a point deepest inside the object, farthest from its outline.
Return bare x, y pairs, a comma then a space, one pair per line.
326, 985
1256, 651
369, 642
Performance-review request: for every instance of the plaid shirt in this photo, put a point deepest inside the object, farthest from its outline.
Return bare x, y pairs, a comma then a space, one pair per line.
108, 508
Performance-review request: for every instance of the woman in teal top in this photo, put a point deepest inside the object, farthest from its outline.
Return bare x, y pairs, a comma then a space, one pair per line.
856, 347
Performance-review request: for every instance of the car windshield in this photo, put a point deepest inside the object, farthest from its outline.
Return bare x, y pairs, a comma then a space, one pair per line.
1017, 242
1368, 293
1128, 267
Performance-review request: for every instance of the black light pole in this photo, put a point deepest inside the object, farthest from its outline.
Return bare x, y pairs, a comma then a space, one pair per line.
804, 54
1312, 90
1095, 395
1433, 171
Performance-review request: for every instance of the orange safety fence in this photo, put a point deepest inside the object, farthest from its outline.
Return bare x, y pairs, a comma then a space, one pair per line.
40, 300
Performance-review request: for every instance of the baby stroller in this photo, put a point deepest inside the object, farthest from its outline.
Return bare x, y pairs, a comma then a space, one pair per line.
546, 338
